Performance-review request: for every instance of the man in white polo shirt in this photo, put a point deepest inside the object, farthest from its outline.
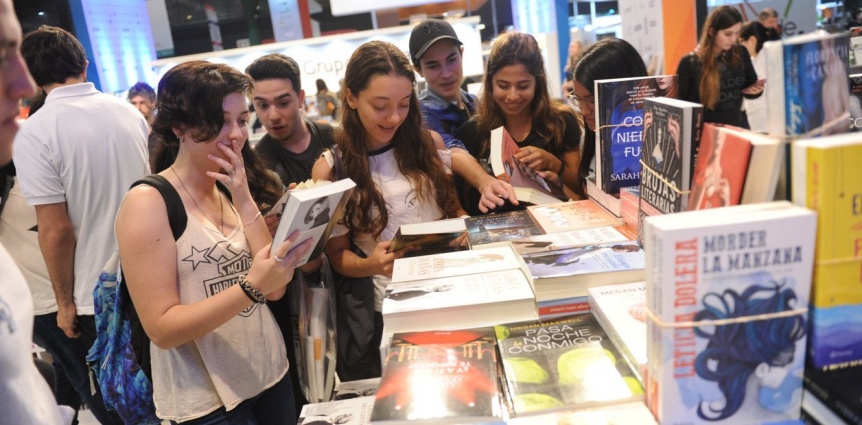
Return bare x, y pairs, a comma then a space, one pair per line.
76, 159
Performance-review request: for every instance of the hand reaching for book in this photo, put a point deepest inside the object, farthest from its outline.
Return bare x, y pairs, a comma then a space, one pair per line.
381, 260
494, 194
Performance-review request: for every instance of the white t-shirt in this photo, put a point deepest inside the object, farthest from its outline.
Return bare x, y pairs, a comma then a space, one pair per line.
25, 397
84, 148
756, 108
403, 205
18, 234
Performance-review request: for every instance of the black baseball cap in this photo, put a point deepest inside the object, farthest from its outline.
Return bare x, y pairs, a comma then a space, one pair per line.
429, 32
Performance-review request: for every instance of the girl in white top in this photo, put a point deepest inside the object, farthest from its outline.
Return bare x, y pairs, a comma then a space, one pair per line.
401, 170
217, 353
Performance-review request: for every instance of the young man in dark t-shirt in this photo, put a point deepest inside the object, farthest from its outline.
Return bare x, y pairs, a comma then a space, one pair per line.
290, 148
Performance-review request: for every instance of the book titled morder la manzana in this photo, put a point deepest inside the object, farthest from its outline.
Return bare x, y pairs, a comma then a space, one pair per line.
313, 208
440, 377
727, 297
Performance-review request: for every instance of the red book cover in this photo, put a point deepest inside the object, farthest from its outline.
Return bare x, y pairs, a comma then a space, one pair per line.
722, 163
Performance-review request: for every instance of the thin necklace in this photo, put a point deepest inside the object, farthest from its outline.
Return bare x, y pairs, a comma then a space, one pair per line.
221, 201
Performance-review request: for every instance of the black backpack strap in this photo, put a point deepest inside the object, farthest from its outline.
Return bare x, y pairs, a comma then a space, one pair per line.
323, 133
176, 211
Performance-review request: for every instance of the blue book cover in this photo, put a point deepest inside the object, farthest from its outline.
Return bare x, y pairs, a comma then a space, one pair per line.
619, 114
834, 340
816, 84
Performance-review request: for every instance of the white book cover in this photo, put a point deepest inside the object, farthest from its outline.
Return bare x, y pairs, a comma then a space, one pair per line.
454, 264
314, 212
354, 411
572, 239
730, 288
355, 389
621, 310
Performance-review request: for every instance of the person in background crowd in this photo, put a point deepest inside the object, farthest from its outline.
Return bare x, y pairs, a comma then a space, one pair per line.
719, 72
401, 170
752, 36
768, 17
25, 397
605, 59
143, 97
290, 147
437, 56
224, 248
575, 49
75, 160
327, 103
515, 96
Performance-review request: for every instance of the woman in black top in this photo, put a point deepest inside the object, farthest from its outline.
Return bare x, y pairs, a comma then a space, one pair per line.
515, 96
719, 72
608, 58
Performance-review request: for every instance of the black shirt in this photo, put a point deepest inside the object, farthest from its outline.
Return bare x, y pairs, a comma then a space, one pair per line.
728, 109
295, 167
468, 133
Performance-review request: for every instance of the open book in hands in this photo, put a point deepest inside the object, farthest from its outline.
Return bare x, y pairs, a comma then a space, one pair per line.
313, 208
507, 167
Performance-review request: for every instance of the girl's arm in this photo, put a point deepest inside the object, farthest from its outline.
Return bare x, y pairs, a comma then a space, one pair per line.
145, 239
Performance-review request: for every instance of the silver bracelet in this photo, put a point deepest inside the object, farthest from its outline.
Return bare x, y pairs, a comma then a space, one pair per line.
251, 291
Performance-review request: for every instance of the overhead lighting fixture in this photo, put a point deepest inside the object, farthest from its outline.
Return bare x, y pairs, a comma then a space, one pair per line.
41, 13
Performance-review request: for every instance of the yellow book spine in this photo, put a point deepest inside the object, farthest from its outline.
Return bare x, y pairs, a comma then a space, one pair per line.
834, 189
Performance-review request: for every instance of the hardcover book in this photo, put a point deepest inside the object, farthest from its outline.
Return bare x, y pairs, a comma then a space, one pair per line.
621, 311
619, 122
672, 131
569, 272
455, 264
475, 300
573, 239
808, 84
434, 237
500, 227
440, 377
313, 211
562, 364
509, 168
828, 179
574, 215
727, 292
354, 411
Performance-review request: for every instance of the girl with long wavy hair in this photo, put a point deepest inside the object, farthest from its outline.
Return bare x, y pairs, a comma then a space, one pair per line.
515, 96
401, 170
719, 72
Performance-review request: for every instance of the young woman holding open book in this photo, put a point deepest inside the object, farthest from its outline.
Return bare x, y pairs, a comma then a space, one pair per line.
402, 172
606, 59
515, 96
719, 72
198, 294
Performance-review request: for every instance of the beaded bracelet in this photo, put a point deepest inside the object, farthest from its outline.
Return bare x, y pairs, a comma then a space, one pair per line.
250, 291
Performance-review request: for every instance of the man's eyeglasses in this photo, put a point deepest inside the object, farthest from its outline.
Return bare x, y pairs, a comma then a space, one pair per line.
589, 101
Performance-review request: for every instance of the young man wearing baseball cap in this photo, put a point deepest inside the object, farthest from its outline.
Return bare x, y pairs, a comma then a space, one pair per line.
437, 54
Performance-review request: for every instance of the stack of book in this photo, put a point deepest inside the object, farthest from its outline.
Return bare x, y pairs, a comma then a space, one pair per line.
629, 203
727, 292
621, 312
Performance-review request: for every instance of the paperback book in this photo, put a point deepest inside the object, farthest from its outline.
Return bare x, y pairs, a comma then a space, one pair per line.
440, 377
453, 264
621, 311
727, 292
354, 411
611, 202
838, 390
434, 237
672, 131
500, 227
619, 122
568, 273
509, 168
808, 84
313, 209
573, 239
356, 389
468, 301
574, 215
828, 180
566, 363
856, 96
